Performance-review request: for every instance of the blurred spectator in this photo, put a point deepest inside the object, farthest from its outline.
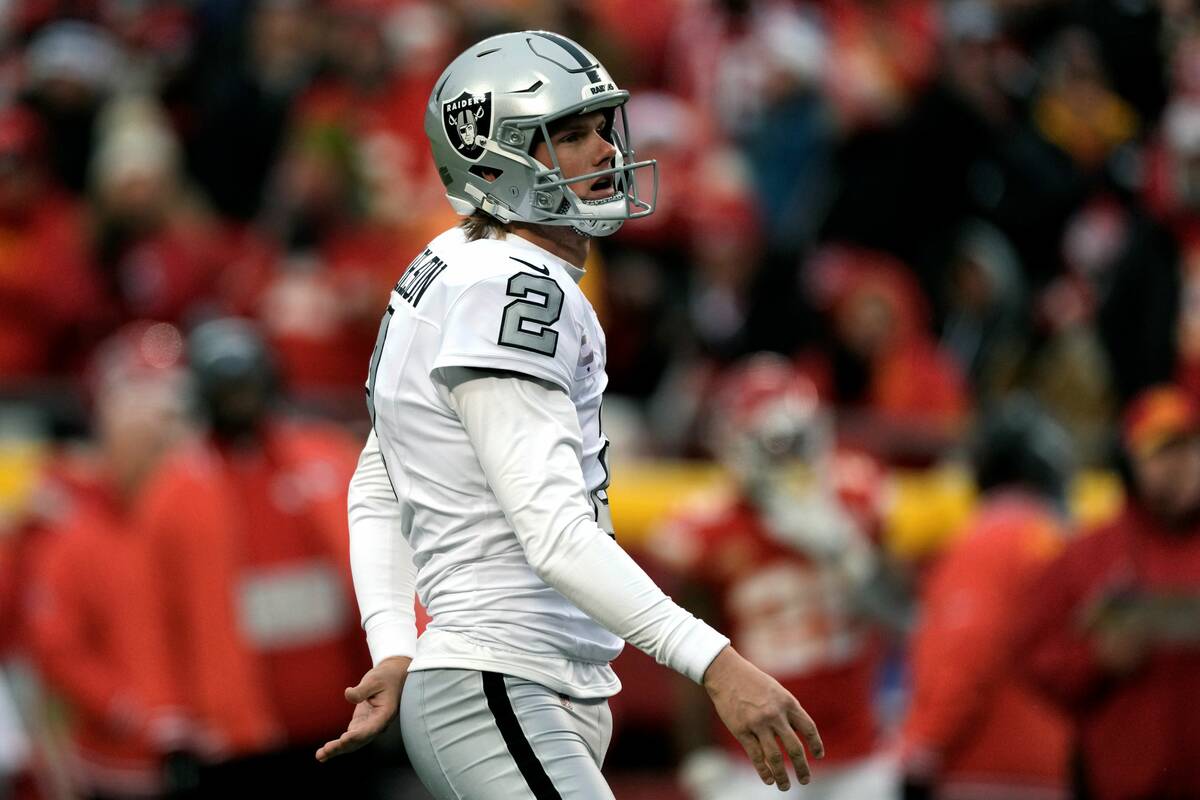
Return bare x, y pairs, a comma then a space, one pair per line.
95, 622
986, 328
244, 103
72, 68
881, 53
754, 71
725, 241
1130, 39
48, 296
972, 729
786, 561
672, 130
1112, 634
248, 532
324, 268
733, 59
1148, 319
1077, 111
382, 59
1069, 370
965, 151
160, 252
159, 40
884, 363
647, 265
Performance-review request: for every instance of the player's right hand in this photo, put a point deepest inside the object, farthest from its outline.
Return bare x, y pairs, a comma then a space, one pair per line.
763, 716
376, 702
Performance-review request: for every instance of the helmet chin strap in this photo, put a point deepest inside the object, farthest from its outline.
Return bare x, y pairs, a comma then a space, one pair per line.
607, 227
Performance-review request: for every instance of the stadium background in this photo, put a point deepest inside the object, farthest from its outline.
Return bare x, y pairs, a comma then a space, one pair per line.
993, 177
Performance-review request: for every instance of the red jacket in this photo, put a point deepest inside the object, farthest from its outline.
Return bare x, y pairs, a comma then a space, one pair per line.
971, 724
244, 544
1138, 736
98, 636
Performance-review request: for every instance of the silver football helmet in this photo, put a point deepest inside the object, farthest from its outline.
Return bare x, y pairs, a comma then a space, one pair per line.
487, 112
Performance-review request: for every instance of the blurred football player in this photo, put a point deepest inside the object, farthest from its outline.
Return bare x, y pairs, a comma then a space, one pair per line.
786, 562
484, 480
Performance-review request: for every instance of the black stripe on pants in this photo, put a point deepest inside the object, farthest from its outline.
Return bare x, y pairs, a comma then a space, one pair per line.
514, 738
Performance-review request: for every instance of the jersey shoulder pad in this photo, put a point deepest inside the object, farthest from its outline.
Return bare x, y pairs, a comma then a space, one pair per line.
508, 314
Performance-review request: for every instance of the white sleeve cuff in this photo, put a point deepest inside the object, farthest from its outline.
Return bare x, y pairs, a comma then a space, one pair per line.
702, 644
391, 636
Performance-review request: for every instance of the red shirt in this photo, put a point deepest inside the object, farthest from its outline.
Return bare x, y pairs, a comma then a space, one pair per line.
173, 272
292, 597
970, 720
263, 640
48, 288
1138, 735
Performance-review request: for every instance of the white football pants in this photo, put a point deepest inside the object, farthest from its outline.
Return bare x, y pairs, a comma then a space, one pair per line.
485, 736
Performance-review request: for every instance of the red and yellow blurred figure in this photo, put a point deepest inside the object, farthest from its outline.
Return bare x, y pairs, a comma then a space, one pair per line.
973, 729
1111, 632
784, 561
1078, 111
95, 624
1156, 417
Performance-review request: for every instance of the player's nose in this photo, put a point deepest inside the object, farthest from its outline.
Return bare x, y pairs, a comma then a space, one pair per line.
605, 150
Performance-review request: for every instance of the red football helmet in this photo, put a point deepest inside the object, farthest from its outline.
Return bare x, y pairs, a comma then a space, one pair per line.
767, 415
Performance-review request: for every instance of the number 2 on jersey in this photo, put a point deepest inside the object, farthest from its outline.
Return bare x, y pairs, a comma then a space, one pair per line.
540, 306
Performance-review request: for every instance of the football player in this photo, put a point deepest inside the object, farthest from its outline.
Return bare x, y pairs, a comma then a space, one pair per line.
786, 561
484, 479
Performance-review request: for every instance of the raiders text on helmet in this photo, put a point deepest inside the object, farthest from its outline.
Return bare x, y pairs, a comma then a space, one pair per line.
495, 102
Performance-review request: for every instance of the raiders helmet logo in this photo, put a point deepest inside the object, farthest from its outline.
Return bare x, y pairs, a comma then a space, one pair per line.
468, 123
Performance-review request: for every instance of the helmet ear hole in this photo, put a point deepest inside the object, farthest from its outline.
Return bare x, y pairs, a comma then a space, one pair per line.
489, 174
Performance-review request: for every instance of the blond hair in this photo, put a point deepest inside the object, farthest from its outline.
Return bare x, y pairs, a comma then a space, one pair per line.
481, 225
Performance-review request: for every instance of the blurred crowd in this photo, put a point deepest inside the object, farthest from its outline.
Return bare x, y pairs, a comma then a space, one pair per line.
889, 234
927, 205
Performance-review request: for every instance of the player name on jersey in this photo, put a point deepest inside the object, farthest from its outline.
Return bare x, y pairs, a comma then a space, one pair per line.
416, 279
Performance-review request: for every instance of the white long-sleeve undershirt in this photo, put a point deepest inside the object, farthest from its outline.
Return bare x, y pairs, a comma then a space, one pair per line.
380, 559
526, 436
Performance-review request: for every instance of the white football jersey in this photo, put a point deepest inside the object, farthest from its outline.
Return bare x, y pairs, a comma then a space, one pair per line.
500, 305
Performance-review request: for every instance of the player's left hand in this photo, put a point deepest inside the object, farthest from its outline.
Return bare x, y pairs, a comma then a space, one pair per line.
376, 701
763, 716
